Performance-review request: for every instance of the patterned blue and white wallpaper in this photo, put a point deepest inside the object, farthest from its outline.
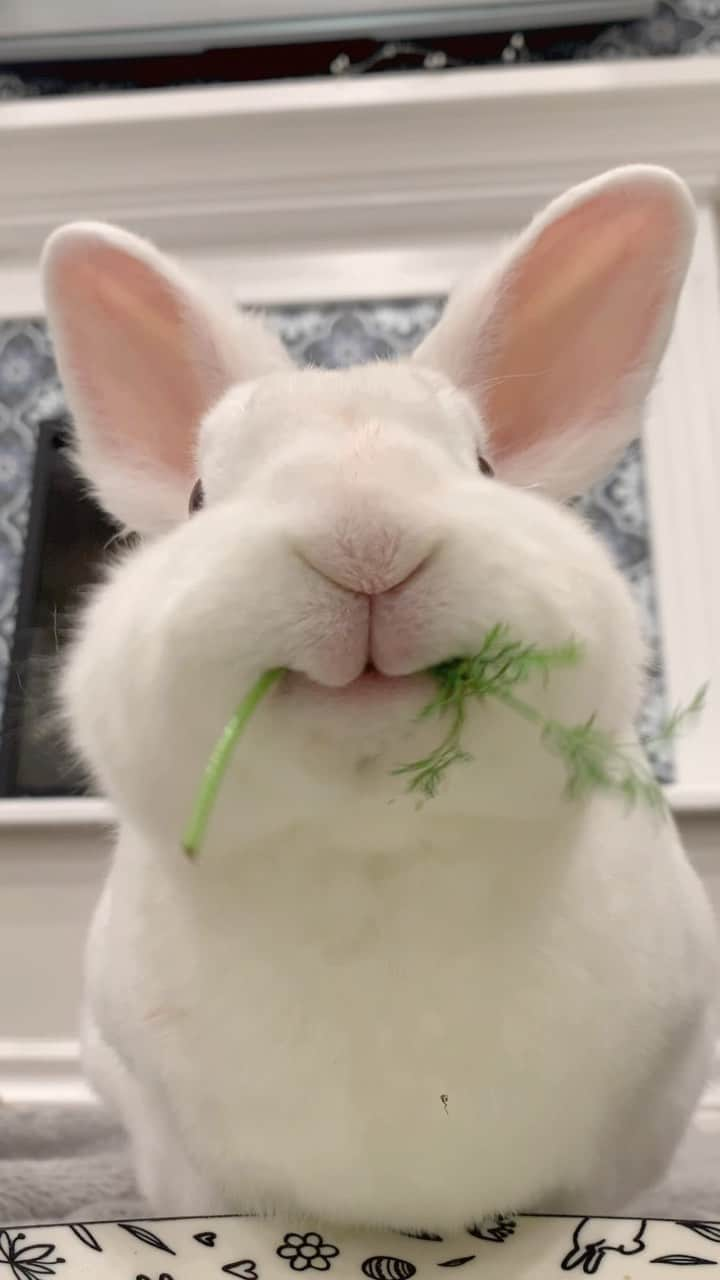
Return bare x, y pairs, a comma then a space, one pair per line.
29, 394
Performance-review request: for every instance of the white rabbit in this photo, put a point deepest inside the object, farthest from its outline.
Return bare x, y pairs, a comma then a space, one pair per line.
350, 1007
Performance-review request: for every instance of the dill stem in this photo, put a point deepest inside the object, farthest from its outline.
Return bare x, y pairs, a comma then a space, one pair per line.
516, 704
216, 767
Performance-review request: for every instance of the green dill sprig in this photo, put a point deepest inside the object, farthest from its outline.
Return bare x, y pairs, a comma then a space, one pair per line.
593, 758
596, 761
493, 672
680, 719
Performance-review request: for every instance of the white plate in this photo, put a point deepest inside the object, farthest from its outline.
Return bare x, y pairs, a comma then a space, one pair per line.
268, 1249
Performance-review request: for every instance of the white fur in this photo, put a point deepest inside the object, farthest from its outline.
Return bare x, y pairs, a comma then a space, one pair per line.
352, 1007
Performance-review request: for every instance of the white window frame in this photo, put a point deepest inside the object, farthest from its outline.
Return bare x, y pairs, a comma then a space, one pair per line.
390, 186
70, 28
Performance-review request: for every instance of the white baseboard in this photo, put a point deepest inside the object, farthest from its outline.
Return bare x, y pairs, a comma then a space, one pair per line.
708, 1116
39, 1070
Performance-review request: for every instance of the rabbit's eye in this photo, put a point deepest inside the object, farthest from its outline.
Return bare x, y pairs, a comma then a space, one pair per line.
197, 497
484, 466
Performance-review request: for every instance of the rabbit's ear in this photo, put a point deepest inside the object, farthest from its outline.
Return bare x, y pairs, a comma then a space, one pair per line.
142, 355
559, 350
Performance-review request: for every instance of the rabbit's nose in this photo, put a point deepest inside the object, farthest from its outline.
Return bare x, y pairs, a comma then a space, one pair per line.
368, 559
365, 576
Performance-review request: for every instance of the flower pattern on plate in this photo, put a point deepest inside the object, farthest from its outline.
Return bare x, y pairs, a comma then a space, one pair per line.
307, 1252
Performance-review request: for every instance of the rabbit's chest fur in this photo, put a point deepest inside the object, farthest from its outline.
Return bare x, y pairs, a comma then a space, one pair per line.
443, 1018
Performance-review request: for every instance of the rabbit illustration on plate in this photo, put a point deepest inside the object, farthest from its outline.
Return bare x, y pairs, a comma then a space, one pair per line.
594, 1237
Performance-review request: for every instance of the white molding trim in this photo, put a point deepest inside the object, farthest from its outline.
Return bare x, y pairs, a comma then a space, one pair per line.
44, 816
54, 814
387, 166
686, 798
42, 1071
682, 462
709, 1110
144, 27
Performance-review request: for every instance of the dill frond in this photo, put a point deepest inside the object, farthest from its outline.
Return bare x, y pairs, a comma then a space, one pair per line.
493, 672
592, 757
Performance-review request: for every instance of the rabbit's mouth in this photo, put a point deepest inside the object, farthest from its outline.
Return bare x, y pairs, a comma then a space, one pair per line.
372, 681
371, 686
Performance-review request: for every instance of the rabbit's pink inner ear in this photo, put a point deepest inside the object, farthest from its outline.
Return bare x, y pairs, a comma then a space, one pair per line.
139, 366
580, 312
